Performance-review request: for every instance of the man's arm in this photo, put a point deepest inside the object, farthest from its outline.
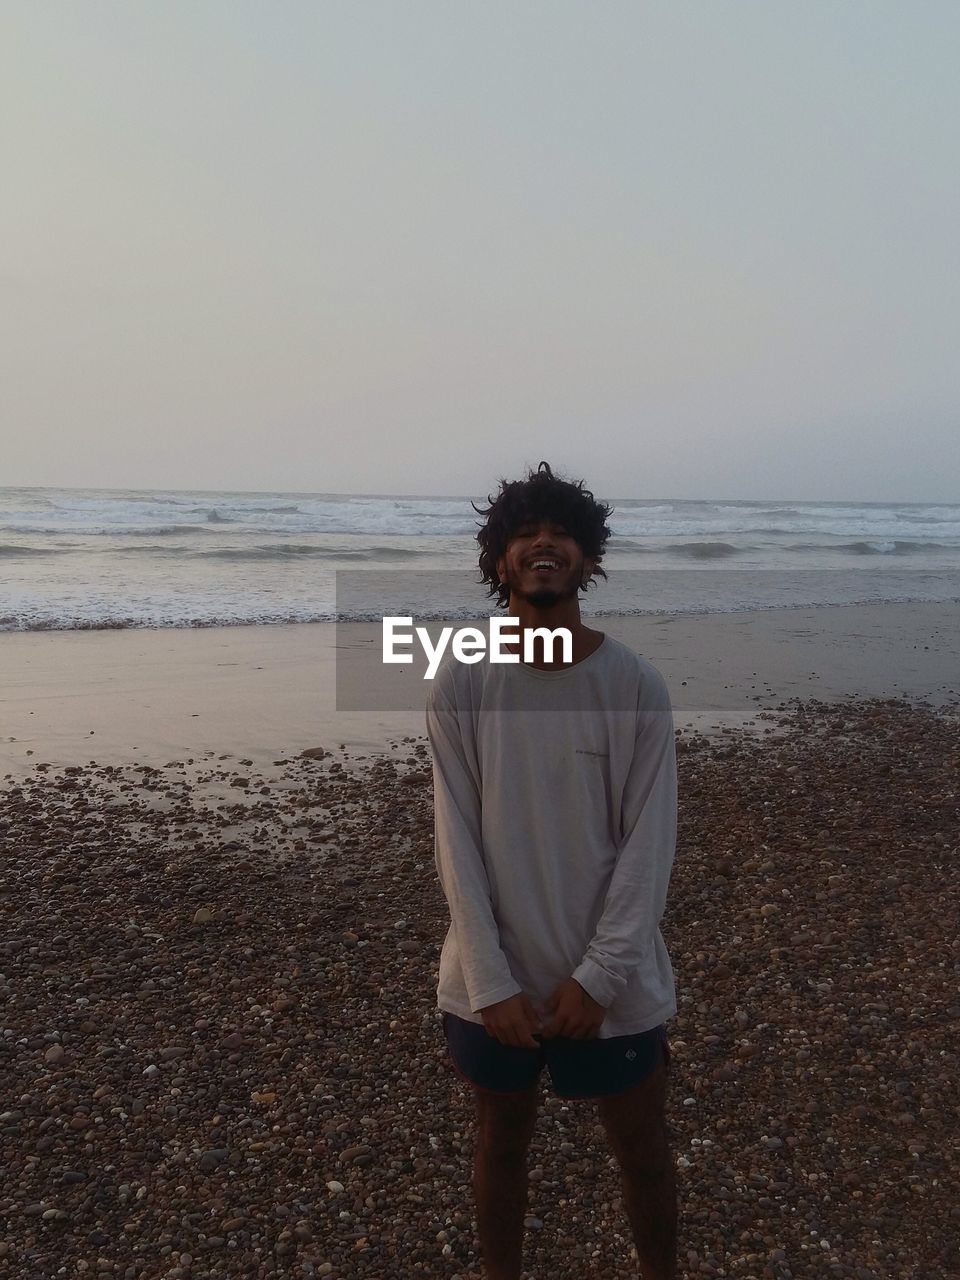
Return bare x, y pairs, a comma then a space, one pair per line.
637, 894
458, 852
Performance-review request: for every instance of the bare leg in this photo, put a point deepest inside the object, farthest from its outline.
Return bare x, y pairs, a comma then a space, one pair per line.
505, 1126
650, 1197
635, 1122
500, 1188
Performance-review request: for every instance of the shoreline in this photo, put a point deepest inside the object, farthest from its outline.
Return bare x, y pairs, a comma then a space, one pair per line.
464, 618
155, 695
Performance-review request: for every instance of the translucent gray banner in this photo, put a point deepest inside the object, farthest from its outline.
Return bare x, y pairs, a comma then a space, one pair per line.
450, 600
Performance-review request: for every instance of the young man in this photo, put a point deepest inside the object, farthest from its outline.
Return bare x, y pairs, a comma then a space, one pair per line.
556, 807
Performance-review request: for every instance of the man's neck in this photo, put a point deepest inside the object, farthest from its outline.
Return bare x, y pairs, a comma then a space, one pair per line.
566, 613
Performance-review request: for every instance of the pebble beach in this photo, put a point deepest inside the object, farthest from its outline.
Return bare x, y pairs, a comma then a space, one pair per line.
221, 1053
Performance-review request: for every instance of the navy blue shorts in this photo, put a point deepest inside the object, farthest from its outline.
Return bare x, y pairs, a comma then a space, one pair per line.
578, 1068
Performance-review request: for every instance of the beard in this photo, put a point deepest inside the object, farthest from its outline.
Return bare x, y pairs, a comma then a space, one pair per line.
546, 597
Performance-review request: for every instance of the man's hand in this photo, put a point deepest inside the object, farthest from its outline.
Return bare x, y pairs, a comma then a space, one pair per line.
512, 1021
571, 1012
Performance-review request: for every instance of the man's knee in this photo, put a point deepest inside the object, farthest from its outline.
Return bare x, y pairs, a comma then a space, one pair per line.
506, 1122
649, 1157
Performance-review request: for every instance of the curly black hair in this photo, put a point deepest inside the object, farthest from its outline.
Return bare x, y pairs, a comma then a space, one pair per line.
541, 496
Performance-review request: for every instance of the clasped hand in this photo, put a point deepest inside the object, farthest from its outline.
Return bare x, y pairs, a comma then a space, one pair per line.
569, 1012
572, 1013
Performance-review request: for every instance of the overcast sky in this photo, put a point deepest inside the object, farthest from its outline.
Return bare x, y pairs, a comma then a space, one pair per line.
684, 250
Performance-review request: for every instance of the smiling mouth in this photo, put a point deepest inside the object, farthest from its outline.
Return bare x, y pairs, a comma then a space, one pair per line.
544, 565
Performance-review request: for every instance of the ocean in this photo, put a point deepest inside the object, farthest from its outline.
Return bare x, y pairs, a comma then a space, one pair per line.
93, 558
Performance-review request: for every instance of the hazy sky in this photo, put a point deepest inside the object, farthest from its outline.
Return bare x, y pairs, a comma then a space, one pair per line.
683, 250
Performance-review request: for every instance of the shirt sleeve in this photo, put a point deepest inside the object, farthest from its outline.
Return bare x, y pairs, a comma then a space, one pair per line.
637, 894
458, 851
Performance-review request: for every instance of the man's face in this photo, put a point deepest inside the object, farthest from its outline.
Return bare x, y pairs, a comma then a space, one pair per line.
543, 564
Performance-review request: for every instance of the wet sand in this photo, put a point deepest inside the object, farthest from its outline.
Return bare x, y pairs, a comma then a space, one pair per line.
154, 695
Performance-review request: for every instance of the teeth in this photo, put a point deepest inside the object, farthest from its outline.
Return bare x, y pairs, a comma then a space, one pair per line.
547, 564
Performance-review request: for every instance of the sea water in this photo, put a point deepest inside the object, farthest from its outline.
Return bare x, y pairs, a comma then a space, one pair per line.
88, 558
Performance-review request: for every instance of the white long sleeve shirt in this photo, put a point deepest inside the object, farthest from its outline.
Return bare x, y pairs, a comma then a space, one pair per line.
555, 797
